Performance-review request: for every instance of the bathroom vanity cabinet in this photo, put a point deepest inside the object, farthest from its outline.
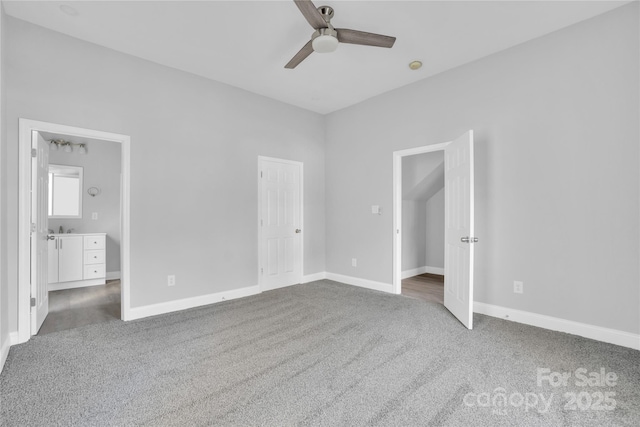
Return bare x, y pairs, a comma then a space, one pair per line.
77, 260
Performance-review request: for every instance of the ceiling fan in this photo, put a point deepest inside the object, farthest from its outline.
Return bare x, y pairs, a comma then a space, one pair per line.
326, 37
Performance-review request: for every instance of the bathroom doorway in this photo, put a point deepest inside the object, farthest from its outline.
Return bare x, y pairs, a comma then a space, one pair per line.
85, 257
83, 229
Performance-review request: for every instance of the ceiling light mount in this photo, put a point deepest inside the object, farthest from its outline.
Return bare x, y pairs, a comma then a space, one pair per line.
68, 10
415, 65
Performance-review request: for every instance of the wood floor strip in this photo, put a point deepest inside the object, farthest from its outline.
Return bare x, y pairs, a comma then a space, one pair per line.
427, 287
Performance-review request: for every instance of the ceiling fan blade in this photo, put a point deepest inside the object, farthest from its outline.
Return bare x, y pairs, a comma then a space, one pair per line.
312, 15
306, 50
367, 39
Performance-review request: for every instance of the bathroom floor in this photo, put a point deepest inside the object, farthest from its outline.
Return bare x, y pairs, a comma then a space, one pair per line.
71, 308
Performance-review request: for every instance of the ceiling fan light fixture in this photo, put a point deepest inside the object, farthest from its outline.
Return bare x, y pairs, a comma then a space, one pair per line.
325, 43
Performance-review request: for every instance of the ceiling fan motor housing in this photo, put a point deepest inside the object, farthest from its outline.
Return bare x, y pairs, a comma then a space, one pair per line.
326, 12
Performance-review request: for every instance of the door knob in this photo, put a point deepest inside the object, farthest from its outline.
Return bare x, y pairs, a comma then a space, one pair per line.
51, 237
468, 239
298, 230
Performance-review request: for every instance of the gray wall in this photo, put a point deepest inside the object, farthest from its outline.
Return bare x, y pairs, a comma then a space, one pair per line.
413, 234
194, 150
557, 170
434, 230
101, 168
414, 171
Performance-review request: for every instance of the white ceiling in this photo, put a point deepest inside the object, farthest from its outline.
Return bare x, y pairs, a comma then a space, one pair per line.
247, 43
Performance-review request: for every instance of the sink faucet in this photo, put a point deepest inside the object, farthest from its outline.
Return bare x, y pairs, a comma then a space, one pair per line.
71, 230
60, 231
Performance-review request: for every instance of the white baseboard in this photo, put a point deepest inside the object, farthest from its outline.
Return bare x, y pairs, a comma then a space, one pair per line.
413, 272
113, 275
4, 351
313, 277
14, 338
421, 270
279, 286
186, 303
611, 336
363, 283
75, 284
434, 270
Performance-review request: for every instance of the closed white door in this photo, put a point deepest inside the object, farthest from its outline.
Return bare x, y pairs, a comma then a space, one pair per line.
459, 232
39, 231
70, 258
280, 223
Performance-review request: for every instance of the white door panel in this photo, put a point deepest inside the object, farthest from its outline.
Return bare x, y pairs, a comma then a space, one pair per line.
458, 276
39, 233
280, 217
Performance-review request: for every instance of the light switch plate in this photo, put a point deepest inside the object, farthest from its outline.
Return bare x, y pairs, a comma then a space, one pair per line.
94, 215
375, 209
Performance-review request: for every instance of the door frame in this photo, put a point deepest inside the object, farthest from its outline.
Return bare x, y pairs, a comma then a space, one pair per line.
397, 206
26, 126
259, 178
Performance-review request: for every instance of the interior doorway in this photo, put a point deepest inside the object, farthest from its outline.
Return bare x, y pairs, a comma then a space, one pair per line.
83, 206
423, 226
78, 259
459, 223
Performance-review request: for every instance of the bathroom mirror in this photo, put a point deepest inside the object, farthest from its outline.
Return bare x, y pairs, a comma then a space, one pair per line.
65, 191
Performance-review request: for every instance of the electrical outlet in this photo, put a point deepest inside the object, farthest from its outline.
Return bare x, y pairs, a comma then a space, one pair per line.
354, 262
94, 215
518, 287
171, 280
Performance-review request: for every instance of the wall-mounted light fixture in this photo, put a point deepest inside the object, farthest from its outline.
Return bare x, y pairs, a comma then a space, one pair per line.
56, 144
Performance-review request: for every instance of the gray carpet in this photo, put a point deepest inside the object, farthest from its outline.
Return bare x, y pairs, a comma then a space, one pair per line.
316, 354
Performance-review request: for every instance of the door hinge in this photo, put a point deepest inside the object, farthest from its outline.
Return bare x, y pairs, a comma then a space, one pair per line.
260, 174
33, 302
33, 227
262, 271
34, 153
261, 224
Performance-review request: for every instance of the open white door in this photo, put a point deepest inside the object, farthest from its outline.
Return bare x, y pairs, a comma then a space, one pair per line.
39, 231
458, 234
280, 223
